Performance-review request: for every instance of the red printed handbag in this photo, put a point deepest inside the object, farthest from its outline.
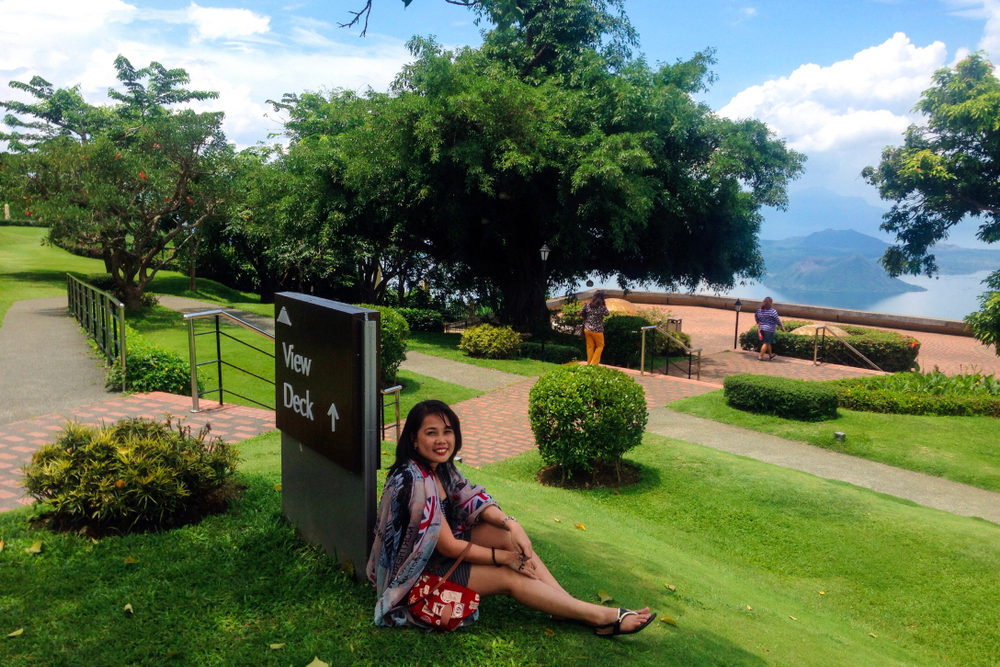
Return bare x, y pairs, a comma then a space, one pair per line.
440, 603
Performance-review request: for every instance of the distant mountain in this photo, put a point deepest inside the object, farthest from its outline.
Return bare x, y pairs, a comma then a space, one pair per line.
853, 273
815, 209
831, 243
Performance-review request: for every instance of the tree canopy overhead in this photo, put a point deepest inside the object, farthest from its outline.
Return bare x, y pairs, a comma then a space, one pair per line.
945, 172
554, 133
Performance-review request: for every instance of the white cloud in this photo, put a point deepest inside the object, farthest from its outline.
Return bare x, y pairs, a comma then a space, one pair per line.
213, 22
842, 115
233, 51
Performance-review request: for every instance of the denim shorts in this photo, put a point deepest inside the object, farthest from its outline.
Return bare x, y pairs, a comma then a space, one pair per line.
768, 337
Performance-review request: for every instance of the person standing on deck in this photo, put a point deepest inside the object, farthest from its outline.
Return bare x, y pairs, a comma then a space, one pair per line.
594, 312
767, 322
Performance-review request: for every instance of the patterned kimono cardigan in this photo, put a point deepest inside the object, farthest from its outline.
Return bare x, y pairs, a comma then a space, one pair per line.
410, 519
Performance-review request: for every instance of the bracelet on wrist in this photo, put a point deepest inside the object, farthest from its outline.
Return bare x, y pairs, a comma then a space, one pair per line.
503, 524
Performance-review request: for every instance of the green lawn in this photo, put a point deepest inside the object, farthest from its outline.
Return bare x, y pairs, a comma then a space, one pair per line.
446, 345
962, 449
30, 270
748, 547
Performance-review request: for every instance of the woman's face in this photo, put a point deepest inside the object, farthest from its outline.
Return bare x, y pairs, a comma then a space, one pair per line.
435, 440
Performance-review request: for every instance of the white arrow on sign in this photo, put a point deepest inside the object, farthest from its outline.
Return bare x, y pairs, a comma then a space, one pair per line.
333, 417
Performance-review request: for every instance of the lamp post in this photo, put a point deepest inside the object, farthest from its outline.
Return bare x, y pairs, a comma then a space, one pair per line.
736, 335
544, 252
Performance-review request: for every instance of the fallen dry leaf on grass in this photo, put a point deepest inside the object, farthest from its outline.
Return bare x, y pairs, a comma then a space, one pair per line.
581, 526
170, 655
670, 587
17, 632
668, 621
128, 608
749, 608
793, 618
277, 487
275, 647
1, 545
557, 520
550, 633
822, 593
873, 635
131, 561
604, 596
35, 548
317, 663
348, 567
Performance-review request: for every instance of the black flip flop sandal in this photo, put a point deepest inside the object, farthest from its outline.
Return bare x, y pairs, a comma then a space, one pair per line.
616, 626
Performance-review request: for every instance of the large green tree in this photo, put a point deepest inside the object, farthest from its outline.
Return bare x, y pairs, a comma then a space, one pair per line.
554, 133
947, 171
138, 185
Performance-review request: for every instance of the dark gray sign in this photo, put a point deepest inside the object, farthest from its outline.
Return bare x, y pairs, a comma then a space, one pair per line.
318, 375
326, 375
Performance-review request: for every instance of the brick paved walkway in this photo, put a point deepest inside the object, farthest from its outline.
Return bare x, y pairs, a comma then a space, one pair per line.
19, 440
495, 425
717, 367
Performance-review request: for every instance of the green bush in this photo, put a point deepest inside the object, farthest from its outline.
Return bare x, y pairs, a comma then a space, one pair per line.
890, 351
931, 393
572, 314
136, 474
803, 400
489, 342
106, 283
586, 415
623, 340
394, 332
151, 368
554, 353
423, 319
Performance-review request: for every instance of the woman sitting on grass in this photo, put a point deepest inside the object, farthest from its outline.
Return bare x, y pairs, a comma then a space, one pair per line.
428, 515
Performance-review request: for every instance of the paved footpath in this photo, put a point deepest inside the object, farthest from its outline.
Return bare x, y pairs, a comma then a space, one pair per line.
18, 441
46, 363
922, 489
457, 372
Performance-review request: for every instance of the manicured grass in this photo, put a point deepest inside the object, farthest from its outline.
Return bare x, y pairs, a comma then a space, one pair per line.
165, 328
962, 449
446, 345
30, 270
747, 546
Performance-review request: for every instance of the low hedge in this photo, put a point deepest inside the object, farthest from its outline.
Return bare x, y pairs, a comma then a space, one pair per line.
423, 319
489, 342
623, 340
890, 351
583, 416
149, 367
393, 335
556, 354
783, 397
921, 394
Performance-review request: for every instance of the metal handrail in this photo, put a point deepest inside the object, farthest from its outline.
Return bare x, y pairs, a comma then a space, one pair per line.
385, 392
218, 314
689, 351
103, 318
833, 333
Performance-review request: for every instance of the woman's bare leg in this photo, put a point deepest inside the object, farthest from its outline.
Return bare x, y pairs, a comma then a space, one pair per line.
536, 594
486, 535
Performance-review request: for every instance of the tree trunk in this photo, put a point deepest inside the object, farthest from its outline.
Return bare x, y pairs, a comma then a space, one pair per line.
524, 303
192, 279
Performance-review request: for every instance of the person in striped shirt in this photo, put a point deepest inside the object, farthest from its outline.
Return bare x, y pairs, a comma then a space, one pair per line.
767, 321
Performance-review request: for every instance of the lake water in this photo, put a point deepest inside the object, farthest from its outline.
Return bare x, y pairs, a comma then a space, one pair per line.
950, 297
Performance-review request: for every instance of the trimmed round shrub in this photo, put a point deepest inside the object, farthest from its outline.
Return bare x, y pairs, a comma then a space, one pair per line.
583, 416
393, 334
892, 352
136, 474
802, 400
553, 353
489, 342
623, 340
149, 367
423, 319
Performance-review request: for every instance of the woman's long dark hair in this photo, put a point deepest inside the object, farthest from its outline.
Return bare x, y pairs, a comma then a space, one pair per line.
598, 298
406, 448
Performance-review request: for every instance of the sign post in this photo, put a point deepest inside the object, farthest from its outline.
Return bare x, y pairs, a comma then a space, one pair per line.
326, 383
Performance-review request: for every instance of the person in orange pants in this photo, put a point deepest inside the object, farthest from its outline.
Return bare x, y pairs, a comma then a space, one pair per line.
594, 312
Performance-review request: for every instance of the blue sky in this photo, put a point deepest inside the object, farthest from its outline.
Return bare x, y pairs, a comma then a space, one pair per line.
837, 80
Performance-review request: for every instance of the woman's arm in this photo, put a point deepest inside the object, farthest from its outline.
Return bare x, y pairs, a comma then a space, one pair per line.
495, 517
448, 545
